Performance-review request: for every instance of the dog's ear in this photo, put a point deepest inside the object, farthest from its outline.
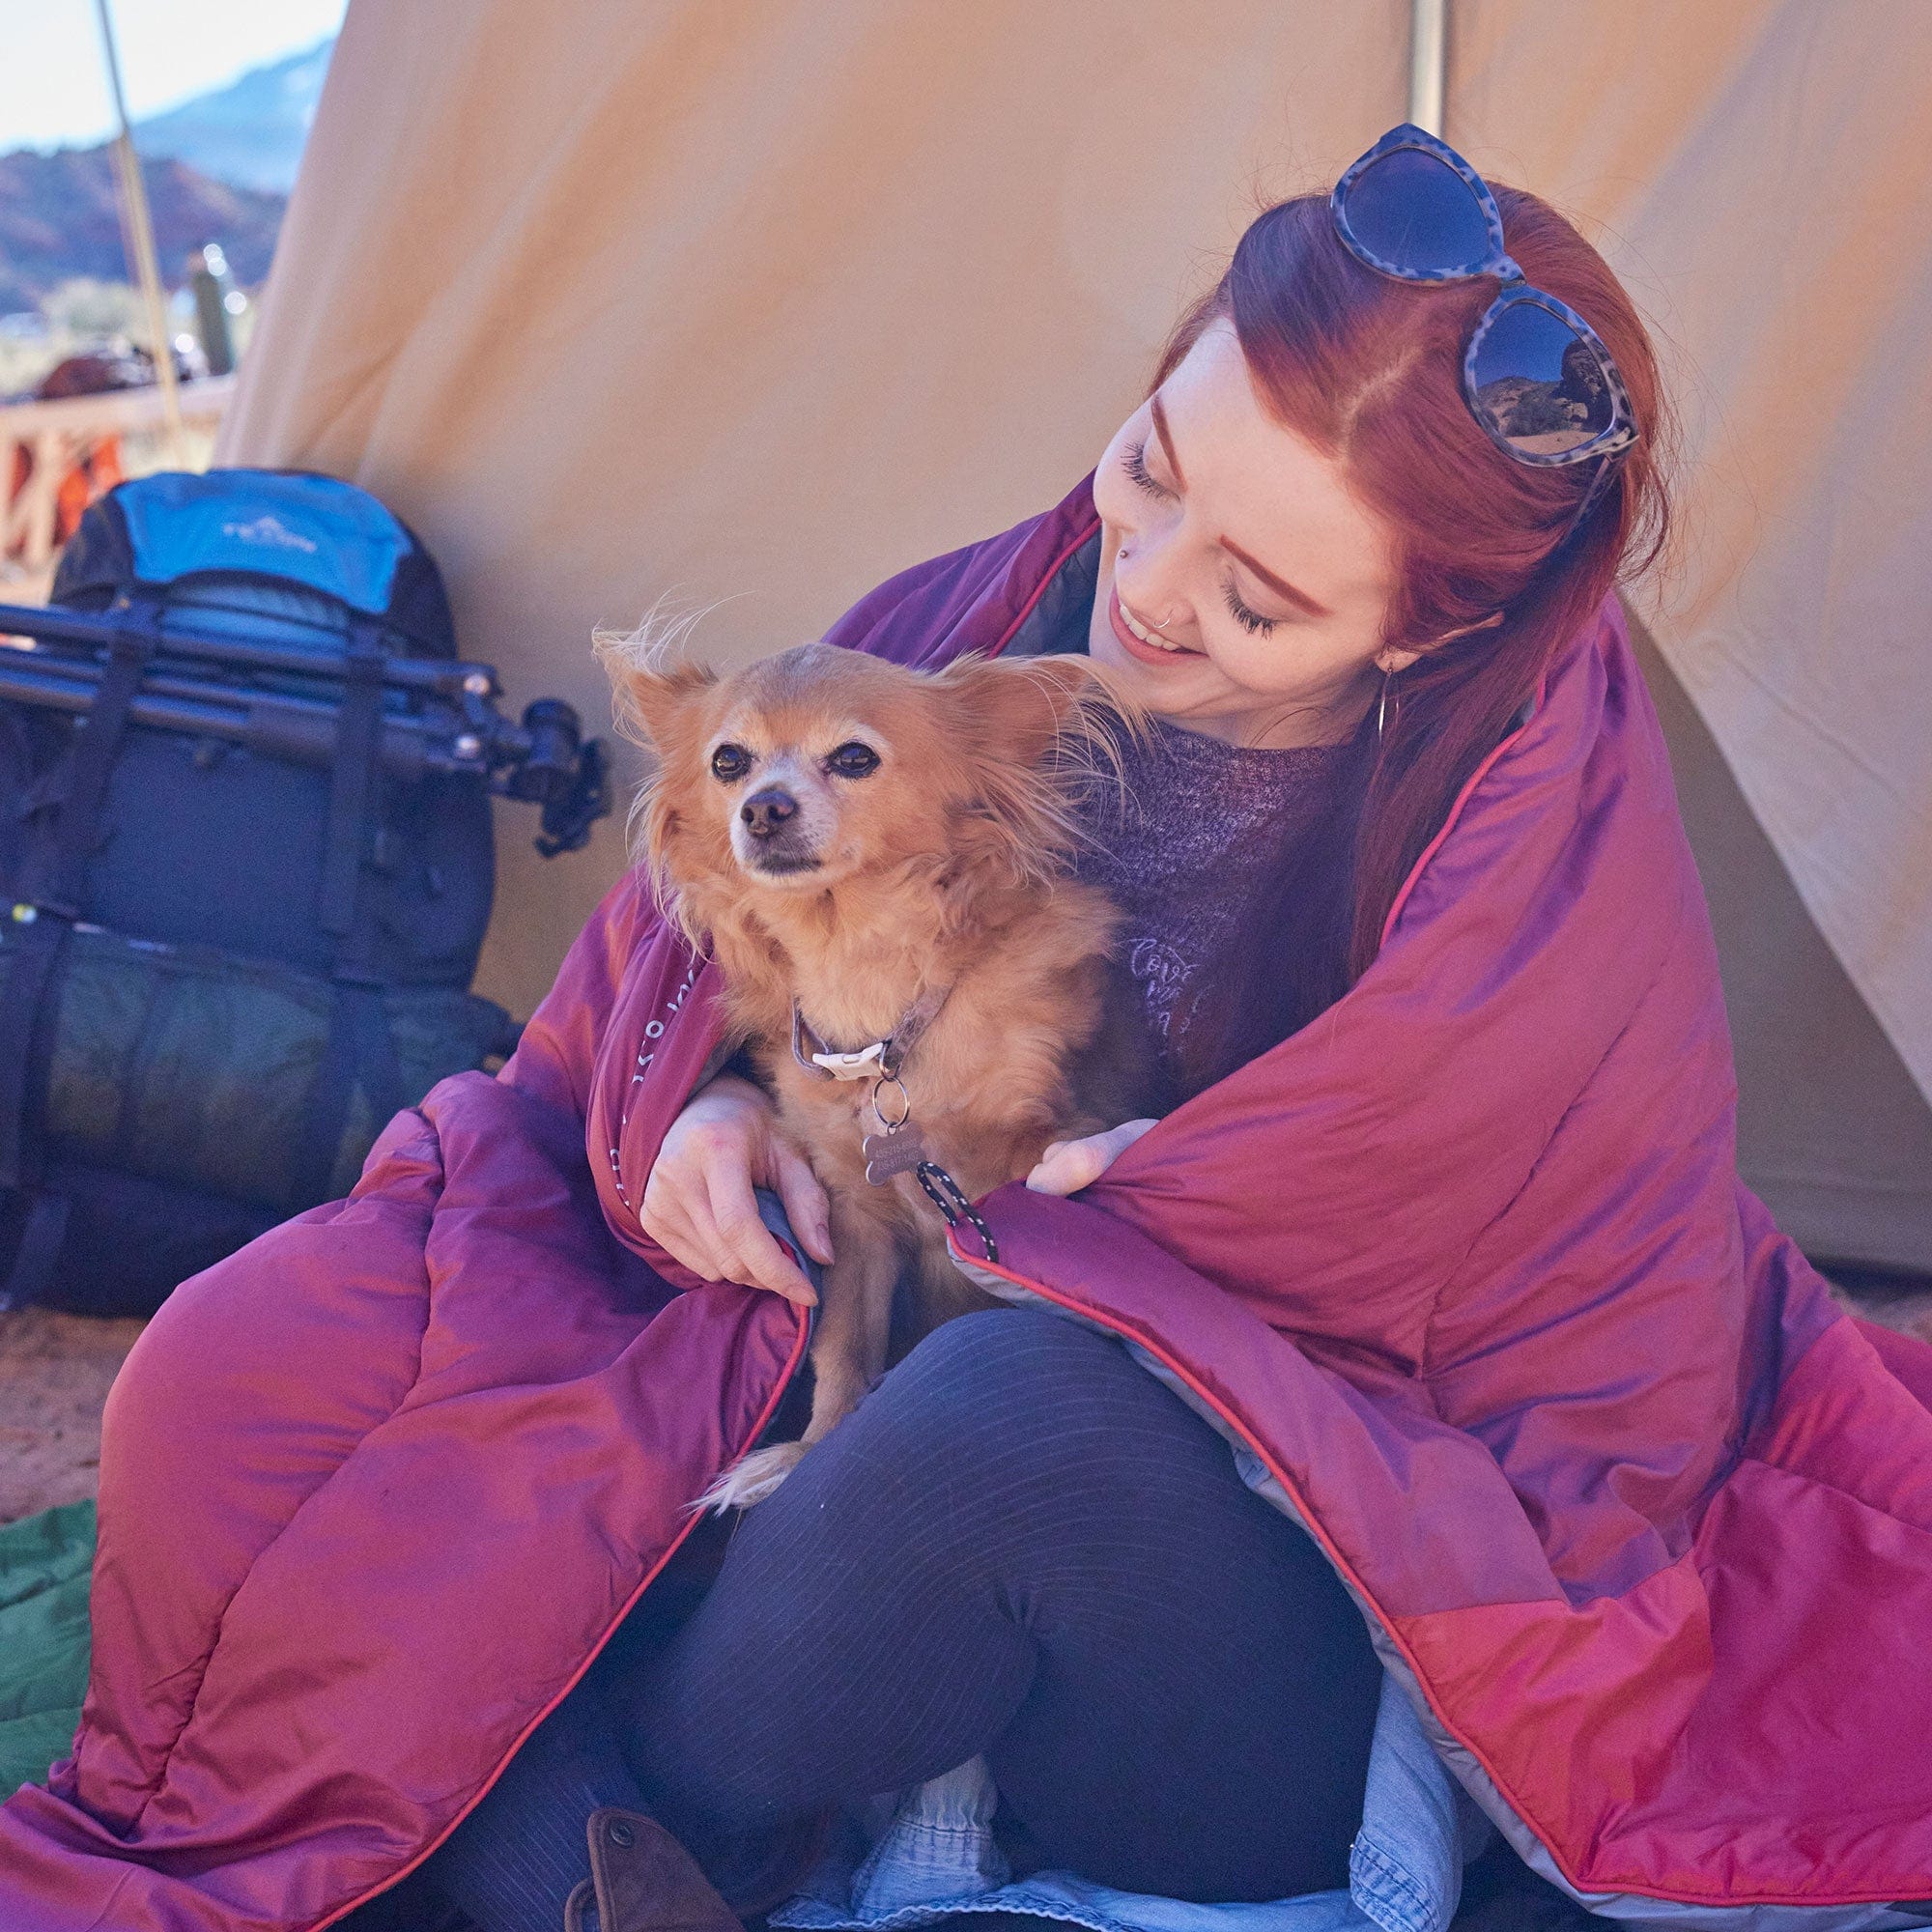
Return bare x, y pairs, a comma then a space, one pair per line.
1033, 729
1028, 709
648, 686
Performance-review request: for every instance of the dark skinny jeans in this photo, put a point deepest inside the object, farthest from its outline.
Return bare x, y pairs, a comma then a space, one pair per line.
1020, 1544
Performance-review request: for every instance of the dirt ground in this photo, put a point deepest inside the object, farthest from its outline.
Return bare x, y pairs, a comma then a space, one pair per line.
54, 1375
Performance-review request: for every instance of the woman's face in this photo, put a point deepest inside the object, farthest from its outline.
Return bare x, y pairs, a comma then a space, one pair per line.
1238, 543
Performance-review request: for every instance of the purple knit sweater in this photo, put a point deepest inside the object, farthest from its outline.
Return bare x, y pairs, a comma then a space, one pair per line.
1185, 843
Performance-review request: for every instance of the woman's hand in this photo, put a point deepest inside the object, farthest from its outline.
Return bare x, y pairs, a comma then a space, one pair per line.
698, 1205
1069, 1166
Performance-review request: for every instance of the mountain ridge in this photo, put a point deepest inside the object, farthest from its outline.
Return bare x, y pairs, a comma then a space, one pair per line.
218, 168
250, 133
60, 219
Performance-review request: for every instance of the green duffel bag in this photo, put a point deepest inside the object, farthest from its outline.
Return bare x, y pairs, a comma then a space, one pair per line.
185, 1099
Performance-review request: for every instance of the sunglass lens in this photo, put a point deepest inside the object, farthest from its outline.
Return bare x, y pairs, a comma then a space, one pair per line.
1415, 213
1540, 383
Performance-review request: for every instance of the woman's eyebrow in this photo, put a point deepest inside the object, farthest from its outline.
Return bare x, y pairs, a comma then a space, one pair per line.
1280, 585
1166, 441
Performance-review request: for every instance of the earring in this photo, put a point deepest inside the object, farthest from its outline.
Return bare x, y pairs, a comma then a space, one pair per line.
1382, 704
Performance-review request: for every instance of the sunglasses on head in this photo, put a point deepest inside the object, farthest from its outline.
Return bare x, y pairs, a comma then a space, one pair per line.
1536, 376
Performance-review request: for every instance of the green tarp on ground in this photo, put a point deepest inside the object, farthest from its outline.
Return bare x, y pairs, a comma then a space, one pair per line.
44, 1565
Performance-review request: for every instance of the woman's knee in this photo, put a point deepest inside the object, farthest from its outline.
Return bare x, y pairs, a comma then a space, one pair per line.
1005, 1350
261, 1373
167, 1388
1020, 1388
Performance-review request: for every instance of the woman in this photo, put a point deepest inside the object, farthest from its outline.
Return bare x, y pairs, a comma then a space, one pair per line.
1554, 1468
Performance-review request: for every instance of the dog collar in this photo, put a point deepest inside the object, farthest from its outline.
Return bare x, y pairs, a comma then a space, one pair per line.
882, 1060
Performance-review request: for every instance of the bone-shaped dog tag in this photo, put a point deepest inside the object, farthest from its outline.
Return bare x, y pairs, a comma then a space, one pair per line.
898, 1150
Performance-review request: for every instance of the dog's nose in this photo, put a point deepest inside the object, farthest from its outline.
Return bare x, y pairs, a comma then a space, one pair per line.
767, 811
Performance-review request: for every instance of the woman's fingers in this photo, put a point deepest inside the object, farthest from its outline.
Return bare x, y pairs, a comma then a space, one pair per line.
699, 1202
806, 1205
1065, 1167
758, 1259
666, 1219
675, 1236
1069, 1166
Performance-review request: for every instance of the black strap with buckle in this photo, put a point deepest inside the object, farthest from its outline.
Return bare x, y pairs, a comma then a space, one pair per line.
50, 903
361, 1049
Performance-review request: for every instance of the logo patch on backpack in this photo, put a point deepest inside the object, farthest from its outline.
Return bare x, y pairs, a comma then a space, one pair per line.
270, 532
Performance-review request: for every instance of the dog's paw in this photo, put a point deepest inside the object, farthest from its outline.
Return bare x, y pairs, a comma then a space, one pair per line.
751, 1478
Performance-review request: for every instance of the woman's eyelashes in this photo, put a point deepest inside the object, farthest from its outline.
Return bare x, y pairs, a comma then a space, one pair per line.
1251, 622
1134, 460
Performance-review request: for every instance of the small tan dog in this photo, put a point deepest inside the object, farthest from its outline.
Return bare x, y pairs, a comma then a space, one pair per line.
876, 860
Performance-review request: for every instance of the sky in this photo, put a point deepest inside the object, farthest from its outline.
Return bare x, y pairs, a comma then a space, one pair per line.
53, 83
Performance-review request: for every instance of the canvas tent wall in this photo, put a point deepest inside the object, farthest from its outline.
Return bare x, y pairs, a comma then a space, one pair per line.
760, 302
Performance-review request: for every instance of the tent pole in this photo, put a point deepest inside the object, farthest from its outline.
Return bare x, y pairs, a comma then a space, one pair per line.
1428, 62
141, 230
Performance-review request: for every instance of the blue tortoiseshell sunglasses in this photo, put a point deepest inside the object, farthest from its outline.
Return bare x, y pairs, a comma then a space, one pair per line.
1536, 376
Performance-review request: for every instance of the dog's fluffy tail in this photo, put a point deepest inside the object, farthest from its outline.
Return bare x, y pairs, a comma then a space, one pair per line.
751, 1478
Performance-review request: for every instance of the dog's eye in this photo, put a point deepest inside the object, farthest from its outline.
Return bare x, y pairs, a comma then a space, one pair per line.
731, 761
853, 761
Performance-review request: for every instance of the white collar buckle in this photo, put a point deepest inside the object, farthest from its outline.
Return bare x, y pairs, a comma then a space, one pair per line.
867, 1064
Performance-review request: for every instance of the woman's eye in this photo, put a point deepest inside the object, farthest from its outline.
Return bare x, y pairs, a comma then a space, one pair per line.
729, 762
1133, 460
1251, 622
853, 761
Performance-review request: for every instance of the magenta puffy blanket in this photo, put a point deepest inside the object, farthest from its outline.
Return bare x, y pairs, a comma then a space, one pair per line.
1641, 1520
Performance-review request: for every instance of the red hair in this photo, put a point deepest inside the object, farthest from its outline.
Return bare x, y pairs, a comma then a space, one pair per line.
1368, 369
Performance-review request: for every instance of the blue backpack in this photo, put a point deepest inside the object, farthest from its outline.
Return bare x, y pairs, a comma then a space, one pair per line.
246, 833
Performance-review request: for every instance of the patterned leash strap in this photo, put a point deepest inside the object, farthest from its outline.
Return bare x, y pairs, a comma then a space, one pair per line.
947, 1197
